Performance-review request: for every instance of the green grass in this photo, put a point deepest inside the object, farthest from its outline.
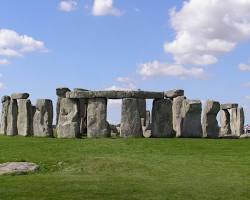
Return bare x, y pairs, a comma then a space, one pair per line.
128, 169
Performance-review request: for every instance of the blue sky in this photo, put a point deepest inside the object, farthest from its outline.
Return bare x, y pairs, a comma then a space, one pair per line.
104, 44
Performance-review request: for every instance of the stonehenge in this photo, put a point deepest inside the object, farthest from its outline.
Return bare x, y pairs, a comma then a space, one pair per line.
83, 113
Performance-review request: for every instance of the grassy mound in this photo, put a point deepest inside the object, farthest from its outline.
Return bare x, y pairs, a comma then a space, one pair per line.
127, 169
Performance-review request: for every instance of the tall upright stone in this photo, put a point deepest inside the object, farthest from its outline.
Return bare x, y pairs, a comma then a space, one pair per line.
12, 118
162, 118
210, 125
24, 119
233, 121
142, 110
130, 119
43, 118
61, 93
148, 119
4, 114
68, 122
240, 121
191, 114
177, 114
225, 122
97, 125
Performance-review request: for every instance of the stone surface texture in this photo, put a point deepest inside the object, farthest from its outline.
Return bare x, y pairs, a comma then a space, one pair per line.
174, 93
240, 121
177, 114
4, 114
20, 96
225, 123
12, 118
17, 168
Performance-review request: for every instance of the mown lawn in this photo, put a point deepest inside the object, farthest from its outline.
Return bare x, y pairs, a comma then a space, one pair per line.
128, 169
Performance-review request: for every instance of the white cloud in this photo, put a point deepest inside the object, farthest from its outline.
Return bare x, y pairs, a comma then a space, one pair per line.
67, 5
13, 45
156, 68
248, 97
205, 29
105, 7
4, 62
244, 67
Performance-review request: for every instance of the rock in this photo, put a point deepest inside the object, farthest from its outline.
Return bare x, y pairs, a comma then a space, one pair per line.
209, 120
174, 93
162, 118
82, 106
191, 114
68, 122
4, 114
147, 131
240, 121
130, 119
225, 123
142, 110
228, 106
148, 121
17, 168
12, 118
177, 114
43, 118
114, 130
116, 94
20, 96
61, 93
24, 118
97, 125
79, 90
233, 121
245, 136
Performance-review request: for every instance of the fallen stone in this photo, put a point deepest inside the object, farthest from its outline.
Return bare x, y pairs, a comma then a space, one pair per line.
116, 94
20, 96
177, 114
240, 121
12, 118
43, 118
24, 118
191, 114
228, 106
68, 122
130, 119
209, 120
97, 125
17, 168
173, 93
225, 123
162, 118
4, 114
245, 136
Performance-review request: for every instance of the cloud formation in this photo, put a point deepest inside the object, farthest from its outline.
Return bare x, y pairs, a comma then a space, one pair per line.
67, 5
4, 62
244, 67
105, 7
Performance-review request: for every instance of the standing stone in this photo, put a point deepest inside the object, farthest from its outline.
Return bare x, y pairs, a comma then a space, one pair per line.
177, 114
162, 118
142, 110
240, 121
147, 118
130, 119
233, 121
12, 118
43, 118
191, 114
97, 125
209, 120
61, 93
225, 123
24, 118
82, 105
4, 114
68, 122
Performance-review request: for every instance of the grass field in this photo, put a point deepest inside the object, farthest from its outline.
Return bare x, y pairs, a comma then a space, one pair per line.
128, 169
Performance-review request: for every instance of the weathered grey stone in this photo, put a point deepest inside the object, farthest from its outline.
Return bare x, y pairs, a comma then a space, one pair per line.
228, 106
148, 121
147, 131
12, 118
174, 93
82, 106
17, 168
130, 119
20, 96
233, 121
114, 130
68, 122
43, 118
24, 118
177, 114
4, 114
142, 110
97, 125
79, 90
61, 93
209, 120
225, 123
162, 118
240, 121
191, 114
245, 136
116, 94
